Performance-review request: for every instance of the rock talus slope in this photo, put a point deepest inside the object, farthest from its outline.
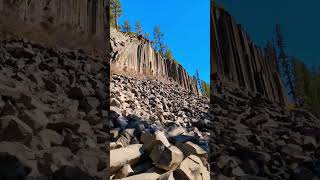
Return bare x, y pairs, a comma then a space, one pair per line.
158, 131
253, 135
52, 105
253, 138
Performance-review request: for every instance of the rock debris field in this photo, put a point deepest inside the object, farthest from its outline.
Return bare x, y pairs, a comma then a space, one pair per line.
158, 131
254, 139
51, 111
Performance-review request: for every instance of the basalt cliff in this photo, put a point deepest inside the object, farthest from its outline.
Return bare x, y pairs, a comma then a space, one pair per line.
236, 61
134, 53
253, 136
71, 23
53, 93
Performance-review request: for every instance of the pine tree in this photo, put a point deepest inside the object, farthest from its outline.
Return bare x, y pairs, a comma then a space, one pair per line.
158, 40
199, 80
138, 28
115, 12
285, 63
168, 53
147, 36
307, 86
205, 89
126, 26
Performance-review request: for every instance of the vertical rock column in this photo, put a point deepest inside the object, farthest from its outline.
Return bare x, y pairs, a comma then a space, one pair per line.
237, 61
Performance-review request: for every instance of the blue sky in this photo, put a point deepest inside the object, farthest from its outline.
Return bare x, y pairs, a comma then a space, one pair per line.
186, 24
299, 21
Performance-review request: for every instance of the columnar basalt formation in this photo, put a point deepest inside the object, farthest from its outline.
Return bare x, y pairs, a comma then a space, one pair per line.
237, 61
72, 23
135, 54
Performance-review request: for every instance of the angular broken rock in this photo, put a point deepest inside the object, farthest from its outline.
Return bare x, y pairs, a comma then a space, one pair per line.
128, 155
50, 138
31, 102
9, 92
13, 129
309, 143
143, 176
76, 93
17, 149
175, 131
114, 133
8, 109
115, 145
191, 168
126, 137
150, 140
167, 158
123, 172
68, 172
189, 148
167, 176
35, 118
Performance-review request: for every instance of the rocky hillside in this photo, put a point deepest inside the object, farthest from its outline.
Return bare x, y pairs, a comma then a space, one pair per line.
255, 139
157, 131
52, 104
133, 53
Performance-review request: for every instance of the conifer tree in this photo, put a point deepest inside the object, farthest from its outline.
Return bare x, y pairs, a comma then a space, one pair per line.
126, 26
168, 53
115, 12
199, 80
138, 28
285, 63
147, 36
158, 40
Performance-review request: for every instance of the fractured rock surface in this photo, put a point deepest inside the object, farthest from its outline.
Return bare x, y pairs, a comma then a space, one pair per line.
163, 125
51, 111
253, 138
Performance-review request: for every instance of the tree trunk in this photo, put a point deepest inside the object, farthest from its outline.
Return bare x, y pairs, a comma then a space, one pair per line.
116, 20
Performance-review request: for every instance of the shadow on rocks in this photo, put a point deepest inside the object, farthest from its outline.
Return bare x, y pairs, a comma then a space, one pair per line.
70, 173
11, 168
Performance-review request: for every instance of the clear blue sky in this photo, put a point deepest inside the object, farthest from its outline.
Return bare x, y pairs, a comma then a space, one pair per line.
299, 21
185, 23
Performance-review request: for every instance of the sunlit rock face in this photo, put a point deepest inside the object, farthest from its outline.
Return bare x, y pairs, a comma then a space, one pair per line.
65, 22
237, 61
136, 54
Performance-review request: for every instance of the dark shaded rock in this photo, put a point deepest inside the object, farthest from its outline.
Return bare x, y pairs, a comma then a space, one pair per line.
36, 119
50, 138
76, 93
9, 109
13, 129
70, 173
11, 168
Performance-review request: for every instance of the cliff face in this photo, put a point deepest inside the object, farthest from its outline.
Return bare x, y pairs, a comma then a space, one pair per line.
237, 61
81, 22
135, 54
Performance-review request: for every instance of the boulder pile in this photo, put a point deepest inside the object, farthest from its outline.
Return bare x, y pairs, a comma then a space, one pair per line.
158, 131
51, 109
255, 139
